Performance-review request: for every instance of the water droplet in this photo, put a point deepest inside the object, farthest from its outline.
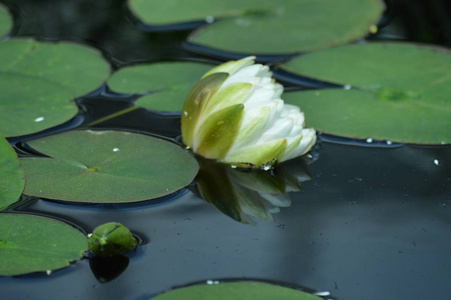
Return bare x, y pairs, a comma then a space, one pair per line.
40, 119
322, 294
436, 162
369, 140
115, 149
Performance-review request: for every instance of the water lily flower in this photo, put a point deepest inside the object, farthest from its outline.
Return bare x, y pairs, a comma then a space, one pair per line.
235, 114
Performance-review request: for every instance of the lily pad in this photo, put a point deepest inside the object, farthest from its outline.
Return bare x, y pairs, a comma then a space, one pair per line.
393, 91
33, 243
106, 167
237, 291
268, 27
11, 175
39, 81
5, 21
169, 83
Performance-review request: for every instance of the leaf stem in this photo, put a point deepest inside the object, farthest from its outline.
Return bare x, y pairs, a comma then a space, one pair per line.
114, 115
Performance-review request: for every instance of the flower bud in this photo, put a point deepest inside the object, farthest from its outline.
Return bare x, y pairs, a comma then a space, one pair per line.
111, 239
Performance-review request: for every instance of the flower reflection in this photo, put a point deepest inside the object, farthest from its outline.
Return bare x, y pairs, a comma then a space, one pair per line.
243, 193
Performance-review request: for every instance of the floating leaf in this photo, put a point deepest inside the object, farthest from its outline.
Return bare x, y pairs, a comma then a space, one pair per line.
38, 81
5, 21
269, 27
237, 291
11, 176
400, 92
106, 167
170, 83
32, 244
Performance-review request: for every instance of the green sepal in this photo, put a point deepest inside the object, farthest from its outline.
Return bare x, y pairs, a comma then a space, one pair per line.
196, 102
259, 154
218, 132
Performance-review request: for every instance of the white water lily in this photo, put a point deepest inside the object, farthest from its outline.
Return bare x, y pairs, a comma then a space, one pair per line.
235, 114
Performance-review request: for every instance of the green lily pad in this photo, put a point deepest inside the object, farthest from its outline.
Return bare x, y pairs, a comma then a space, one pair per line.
393, 91
5, 21
11, 175
33, 244
237, 291
169, 82
268, 27
106, 167
39, 81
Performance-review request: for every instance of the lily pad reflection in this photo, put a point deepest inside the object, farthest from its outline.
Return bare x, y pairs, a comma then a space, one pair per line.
243, 194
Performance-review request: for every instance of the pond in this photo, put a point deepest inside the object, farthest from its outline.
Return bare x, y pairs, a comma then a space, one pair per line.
372, 220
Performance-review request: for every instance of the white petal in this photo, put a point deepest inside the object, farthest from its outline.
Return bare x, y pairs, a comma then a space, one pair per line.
232, 66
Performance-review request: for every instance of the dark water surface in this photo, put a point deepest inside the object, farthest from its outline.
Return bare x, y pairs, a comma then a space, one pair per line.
372, 223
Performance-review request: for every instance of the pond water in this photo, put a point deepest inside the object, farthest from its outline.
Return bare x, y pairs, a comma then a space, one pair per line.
373, 222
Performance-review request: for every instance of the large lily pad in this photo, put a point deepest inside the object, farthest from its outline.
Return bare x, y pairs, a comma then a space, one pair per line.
5, 21
11, 176
168, 82
32, 244
39, 81
106, 167
394, 91
268, 27
237, 291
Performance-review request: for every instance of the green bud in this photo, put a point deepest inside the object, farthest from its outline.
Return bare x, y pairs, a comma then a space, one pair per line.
111, 239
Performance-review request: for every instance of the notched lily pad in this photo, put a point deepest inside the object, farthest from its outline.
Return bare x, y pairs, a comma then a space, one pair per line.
5, 21
106, 167
11, 175
167, 82
246, 290
39, 81
393, 91
266, 27
36, 244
